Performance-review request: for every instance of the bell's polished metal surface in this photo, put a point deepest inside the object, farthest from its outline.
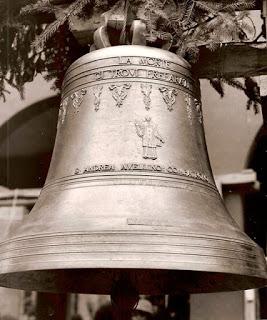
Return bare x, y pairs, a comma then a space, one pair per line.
130, 191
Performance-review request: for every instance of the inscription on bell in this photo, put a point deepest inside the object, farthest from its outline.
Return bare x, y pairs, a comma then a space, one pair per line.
151, 138
154, 62
99, 168
125, 60
140, 73
95, 168
142, 167
124, 73
145, 61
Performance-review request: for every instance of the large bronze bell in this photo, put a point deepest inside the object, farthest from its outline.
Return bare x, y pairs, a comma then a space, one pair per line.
130, 193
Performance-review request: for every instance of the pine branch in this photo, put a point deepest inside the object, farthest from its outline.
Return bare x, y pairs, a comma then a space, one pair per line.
233, 83
188, 12
103, 4
241, 4
217, 84
39, 42
210, 8
191, 53
73, 9
250, 88
39, 6
213, 45
209, 23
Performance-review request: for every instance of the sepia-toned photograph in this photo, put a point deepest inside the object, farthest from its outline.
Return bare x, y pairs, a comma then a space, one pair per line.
133, 159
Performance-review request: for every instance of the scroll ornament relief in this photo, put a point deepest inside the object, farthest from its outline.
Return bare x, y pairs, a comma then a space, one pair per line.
119, 93
199, 110
188, 101
97, 94
62, 111
151, 138
77, 98
169, 96
146, 90
193, 103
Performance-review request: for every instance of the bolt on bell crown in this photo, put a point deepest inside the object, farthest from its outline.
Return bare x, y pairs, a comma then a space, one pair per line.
130, 190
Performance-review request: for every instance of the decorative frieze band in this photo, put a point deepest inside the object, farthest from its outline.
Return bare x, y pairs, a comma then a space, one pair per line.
97, 96
169, 96
146, 90
192, 106
77, 99
119, 92
62, 111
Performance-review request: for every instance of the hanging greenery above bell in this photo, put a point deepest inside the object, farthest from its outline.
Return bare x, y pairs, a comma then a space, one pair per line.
49, 47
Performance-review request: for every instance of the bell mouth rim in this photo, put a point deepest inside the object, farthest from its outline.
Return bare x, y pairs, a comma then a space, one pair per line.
46, 263
145, 281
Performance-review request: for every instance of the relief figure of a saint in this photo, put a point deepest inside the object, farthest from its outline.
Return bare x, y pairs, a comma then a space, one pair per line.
151, 139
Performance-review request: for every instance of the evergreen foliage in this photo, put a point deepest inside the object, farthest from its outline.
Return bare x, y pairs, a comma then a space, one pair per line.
249, 87
187, 23
28, 47
20, 62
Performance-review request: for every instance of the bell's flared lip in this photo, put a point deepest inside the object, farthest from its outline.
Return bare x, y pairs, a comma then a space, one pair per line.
146, 281
67, 262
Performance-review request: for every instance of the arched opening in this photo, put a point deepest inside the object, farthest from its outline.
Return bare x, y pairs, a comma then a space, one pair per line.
26, 145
